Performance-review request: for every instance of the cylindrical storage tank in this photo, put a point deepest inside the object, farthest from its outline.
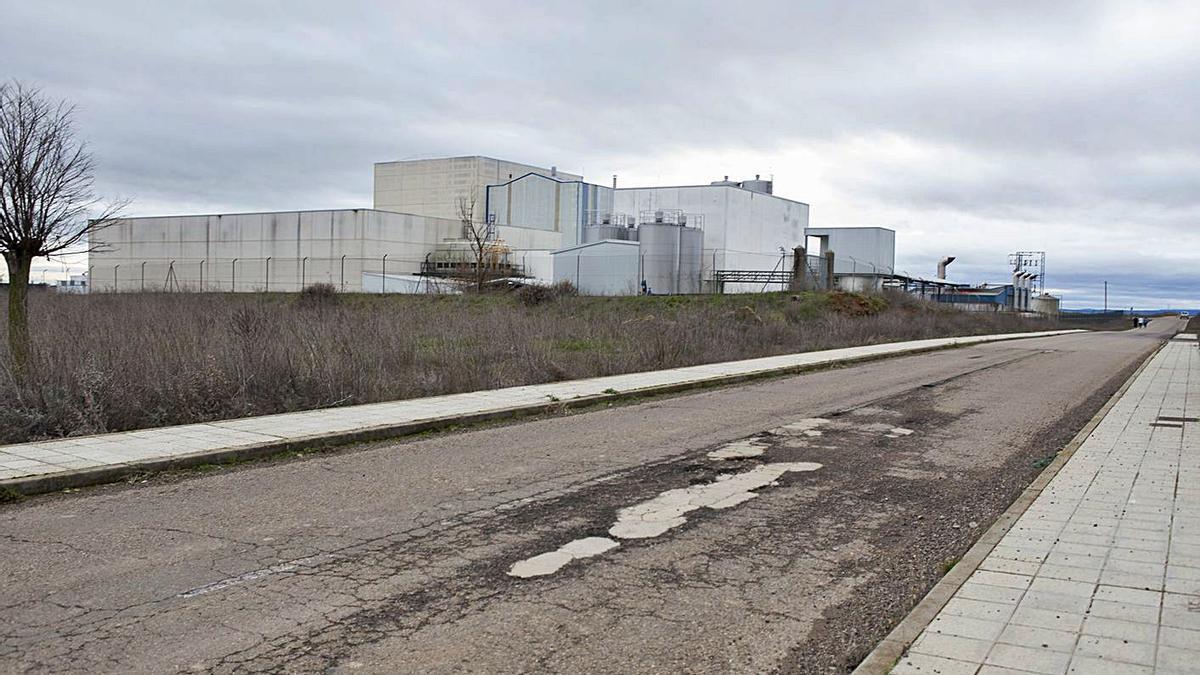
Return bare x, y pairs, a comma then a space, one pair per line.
691, 250
670, 258
1046, 304
593, 233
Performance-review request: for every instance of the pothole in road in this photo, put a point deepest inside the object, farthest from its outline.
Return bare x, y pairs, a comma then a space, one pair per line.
810, 427
743, 449
804, 427
656, 516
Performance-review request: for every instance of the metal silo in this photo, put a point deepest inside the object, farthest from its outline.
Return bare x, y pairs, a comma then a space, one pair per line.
691, 249
593, 233
670, 257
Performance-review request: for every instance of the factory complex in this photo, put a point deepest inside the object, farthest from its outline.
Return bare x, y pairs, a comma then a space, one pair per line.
438, 224
435, 221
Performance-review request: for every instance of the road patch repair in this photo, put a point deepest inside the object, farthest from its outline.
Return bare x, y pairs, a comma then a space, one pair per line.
46, 466
655, 517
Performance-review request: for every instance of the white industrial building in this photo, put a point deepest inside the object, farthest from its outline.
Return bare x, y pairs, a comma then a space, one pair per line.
864, 256
745, 228
540, 224
431, 187
279, 251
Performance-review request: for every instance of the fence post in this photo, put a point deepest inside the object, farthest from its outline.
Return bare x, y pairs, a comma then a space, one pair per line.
343, 274
233, 276
829, 270
799, 262
383, 283
303, 270
202, 274
143, 276
267, 288
115, 268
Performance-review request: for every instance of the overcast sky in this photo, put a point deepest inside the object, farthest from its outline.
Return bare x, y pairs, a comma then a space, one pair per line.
971, 128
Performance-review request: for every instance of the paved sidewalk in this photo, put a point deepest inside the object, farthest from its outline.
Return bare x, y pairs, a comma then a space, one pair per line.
52, 465
1102, 573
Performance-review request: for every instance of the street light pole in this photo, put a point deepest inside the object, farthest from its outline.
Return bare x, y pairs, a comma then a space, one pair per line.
1106, 296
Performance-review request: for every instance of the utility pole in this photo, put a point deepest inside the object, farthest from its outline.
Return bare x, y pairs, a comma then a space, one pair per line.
1106, 296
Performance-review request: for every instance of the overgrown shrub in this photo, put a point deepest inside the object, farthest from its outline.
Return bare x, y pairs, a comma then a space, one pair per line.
856, 304
533, 295
317, 295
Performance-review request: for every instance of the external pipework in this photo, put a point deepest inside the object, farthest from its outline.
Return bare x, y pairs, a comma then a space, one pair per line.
941, 268
1027, 290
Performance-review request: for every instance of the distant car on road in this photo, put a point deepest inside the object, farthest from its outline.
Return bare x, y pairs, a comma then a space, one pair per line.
1184, 315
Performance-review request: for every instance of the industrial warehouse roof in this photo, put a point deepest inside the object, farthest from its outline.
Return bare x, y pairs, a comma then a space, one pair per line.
731, 187
539, 175
440, 157
838, 228
996, 290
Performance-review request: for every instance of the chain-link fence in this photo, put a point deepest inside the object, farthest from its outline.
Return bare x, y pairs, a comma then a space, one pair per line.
610, 268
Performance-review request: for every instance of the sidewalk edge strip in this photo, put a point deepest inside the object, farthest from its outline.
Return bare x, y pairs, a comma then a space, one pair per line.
888, 652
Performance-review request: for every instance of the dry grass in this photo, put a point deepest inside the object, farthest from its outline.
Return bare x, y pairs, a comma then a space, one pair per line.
117, 362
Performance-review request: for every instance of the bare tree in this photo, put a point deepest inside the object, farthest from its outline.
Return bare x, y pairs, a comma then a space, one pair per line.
477, 236
46, 196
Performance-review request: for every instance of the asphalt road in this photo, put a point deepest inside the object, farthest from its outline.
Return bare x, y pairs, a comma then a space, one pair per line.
396, 557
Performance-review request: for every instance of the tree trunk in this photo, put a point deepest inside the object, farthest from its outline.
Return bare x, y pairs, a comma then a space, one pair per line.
18, 311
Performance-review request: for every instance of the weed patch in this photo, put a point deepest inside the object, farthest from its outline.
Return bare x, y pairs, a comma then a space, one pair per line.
114, 362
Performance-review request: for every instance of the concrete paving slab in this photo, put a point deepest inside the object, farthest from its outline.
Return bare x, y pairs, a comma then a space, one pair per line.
1100, 597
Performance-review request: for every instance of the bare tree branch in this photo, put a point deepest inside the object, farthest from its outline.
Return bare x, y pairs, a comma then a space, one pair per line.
46, 176
477, 236
46, 194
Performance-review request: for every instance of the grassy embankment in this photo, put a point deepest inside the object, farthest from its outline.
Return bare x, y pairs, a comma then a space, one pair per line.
119, 362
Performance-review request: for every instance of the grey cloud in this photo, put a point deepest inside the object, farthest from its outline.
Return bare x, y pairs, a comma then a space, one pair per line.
257, 105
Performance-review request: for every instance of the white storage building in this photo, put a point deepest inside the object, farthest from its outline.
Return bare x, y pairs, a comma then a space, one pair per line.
743, 229
607, 267
278, 251
540, 220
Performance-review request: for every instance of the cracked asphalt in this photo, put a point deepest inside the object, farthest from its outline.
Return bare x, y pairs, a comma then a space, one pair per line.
393, 557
